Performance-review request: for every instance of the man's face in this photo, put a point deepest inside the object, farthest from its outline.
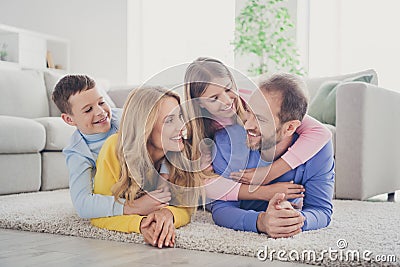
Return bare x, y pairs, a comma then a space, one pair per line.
90, 113
263, 126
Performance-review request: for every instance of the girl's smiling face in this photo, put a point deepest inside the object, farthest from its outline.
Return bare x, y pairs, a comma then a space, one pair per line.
219, 98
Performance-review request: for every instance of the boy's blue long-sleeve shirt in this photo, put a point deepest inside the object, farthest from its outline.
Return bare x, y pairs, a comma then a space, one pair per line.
81, 155
316, 175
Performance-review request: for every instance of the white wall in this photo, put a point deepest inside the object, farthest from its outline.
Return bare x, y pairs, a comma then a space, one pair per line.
163, 33
353, 35
371, 40
95, 28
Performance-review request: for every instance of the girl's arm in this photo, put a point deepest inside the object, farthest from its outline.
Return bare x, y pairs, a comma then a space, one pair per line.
313, 136
224, 189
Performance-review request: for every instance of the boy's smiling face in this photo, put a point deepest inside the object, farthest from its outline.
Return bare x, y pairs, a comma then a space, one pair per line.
90, 113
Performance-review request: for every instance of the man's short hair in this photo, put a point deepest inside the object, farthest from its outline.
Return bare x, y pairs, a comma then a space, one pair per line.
292, 88
70, 85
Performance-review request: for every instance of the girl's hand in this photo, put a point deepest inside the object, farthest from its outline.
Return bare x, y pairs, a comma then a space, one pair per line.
290, 189
254, 176
205, 162
164, 229
148, 203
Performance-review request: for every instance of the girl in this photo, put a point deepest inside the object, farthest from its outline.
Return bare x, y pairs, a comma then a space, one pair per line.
213, 103
129, 164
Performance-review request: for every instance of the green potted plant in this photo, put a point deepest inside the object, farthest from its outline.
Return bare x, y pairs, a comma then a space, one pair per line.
3, 52
262, 29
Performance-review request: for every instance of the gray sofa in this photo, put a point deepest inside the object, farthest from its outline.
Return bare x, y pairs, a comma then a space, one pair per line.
366, 152
32, 134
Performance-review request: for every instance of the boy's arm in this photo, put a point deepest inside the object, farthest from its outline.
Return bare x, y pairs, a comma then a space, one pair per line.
87, 204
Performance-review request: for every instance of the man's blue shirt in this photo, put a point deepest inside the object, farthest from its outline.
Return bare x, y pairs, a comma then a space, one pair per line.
316, 175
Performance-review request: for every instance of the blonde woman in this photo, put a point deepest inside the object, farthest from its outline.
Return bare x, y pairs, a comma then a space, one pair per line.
149, 140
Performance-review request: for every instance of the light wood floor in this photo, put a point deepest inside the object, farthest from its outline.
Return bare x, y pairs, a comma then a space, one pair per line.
19, 248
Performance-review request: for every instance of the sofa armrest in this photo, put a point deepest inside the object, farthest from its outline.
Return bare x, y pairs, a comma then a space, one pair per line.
21, 135
367, 149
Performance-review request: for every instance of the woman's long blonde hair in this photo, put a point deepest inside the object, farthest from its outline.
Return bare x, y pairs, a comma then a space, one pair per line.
199, 75
138, 173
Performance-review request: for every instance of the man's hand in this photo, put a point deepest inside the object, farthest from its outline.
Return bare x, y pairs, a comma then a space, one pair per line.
280, 219
158, 228
148, 203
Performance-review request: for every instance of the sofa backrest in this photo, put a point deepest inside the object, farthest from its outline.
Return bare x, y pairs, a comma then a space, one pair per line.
23, 94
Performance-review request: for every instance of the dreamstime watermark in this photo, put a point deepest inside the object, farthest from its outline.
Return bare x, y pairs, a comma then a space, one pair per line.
341, 253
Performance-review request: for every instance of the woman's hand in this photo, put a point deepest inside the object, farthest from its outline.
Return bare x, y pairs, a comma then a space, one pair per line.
158, 228
148, 203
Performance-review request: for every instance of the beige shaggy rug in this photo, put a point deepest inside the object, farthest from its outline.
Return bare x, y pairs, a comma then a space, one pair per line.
361, 233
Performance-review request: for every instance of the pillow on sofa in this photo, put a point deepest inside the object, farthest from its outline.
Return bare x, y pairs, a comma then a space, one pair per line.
323, 105
51, 77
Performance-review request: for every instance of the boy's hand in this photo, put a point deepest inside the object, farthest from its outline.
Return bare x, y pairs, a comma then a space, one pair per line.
254, 176
148, 203
290, 189
162, 229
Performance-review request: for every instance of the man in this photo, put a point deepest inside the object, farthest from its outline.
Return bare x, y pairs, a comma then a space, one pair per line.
277, 110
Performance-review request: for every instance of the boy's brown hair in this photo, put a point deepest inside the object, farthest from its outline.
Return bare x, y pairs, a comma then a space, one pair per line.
70, 85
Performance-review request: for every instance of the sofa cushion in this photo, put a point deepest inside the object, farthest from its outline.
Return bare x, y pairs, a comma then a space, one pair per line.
58, 133
54, 171
313, 84
120, 95
21, 135
23, 94
323, 105
51, 77
20, 173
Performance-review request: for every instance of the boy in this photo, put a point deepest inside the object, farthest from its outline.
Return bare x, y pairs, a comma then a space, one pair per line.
84, 107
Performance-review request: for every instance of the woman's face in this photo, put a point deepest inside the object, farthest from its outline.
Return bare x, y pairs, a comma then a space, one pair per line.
167, 131
219, 98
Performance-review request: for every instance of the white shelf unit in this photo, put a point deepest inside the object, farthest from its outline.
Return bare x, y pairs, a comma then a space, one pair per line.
28, 49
